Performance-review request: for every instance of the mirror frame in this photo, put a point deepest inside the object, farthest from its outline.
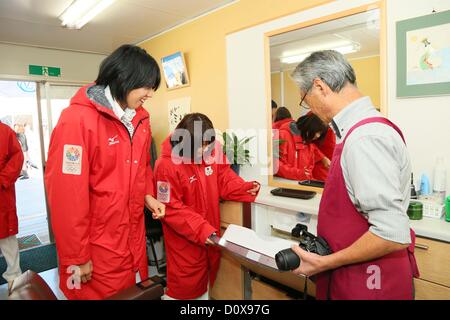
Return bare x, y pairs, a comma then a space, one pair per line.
380, 5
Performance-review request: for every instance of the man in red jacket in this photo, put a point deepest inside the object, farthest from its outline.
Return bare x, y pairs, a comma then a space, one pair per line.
98, 175
11, 160
191, 191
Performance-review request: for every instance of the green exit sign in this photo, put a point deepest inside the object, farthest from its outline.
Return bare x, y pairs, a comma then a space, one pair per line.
44, 71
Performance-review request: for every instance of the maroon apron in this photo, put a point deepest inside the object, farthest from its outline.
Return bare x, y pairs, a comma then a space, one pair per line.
340, 224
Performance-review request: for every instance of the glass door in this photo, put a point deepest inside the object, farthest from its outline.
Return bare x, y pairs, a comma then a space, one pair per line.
54, 97
19, 110
32, 110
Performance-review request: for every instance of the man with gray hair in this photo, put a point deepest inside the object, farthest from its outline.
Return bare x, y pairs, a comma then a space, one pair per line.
362, 213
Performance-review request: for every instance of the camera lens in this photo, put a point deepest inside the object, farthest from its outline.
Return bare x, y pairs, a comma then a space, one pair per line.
287, 260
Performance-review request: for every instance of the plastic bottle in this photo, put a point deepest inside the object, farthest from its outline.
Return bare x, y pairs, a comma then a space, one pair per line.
413, 188
439, 180
447, 209
424, 185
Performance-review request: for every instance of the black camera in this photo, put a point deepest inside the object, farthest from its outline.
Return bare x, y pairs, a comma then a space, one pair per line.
287, 259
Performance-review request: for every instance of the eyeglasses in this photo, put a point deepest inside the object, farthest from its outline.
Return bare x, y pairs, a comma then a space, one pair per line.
304, 105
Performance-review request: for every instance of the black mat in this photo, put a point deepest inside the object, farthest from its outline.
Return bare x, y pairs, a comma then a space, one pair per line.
38, 259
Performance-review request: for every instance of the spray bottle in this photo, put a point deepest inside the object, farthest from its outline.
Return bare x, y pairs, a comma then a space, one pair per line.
440, 180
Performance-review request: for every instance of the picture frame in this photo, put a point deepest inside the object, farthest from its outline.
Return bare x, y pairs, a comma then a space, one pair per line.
175, 71
423, 55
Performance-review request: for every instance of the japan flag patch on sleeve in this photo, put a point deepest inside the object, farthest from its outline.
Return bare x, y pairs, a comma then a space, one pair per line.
163, 191
72, 156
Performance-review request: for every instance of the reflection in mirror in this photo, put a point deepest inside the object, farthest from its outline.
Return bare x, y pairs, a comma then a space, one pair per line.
302, 144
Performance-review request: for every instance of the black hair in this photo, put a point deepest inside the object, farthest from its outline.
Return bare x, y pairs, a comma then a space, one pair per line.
190, 123
309, 125
282, 113
274, 105
127, 68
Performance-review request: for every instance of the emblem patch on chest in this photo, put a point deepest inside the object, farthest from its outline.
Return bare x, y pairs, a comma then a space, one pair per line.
163, 192
209, 171
72, 156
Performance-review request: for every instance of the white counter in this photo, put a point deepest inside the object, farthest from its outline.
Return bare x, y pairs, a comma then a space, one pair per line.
432, 228
310, 206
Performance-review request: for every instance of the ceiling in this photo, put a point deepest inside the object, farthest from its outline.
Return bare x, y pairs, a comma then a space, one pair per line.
362, 28
36, 23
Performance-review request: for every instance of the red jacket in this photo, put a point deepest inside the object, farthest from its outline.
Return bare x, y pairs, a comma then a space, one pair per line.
296, 159
278, 124
327, 147
191, 193
11, 161
96, 180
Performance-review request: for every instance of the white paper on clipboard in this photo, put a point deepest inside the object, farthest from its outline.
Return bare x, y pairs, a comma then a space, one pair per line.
247, 244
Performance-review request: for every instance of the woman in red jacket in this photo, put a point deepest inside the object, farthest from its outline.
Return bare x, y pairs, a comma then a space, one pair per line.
11, 160
282, 116
98, 175
190, 180
298, 155
326, 144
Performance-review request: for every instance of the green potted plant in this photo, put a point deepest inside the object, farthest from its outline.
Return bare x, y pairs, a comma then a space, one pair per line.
236, 150
276, 147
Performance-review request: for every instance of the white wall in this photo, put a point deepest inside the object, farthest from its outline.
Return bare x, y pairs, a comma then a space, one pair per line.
75, 66
424, 121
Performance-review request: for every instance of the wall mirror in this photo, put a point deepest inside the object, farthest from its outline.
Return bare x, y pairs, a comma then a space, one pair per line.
359, 35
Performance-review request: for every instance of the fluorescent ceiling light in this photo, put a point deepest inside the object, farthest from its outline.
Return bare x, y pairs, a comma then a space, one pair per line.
81, 12
344, 49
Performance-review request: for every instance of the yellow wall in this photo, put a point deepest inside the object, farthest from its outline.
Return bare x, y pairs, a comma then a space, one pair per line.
203, 42
368, 79
291, 95
276, 87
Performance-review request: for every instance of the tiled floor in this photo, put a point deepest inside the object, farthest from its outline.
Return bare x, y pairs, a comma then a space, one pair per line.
31, 208
51, 277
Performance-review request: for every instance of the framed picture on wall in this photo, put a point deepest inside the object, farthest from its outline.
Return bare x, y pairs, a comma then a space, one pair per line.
175, 71
423, 55
177, 109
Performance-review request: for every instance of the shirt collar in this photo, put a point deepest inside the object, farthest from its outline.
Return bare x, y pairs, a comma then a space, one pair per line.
352, 113
116, 108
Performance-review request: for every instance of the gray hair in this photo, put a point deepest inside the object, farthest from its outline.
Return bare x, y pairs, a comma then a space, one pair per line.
330, 66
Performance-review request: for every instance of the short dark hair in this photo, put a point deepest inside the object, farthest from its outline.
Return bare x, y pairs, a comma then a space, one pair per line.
309, 125
274, 105
282, 113
197, 137
127, 68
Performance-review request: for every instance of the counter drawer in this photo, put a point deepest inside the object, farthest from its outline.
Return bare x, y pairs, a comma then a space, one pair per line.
433, 259
231, 212
264, 291
426, 290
